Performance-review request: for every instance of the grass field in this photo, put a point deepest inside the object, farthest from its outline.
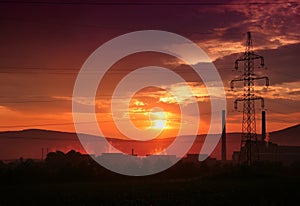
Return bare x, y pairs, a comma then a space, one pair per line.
142, 191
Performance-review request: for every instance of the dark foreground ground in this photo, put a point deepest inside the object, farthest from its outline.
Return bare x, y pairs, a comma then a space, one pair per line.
70, 179
218, 191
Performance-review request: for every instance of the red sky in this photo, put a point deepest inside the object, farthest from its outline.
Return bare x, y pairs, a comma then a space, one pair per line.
44, 45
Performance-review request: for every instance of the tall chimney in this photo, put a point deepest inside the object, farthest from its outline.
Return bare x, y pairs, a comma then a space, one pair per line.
42, 153
263, 125
223, 135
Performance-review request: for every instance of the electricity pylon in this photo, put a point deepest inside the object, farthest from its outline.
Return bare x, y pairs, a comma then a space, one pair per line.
249, 148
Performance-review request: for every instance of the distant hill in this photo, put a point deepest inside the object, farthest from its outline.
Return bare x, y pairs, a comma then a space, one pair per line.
29, 143
288, 136
37, 134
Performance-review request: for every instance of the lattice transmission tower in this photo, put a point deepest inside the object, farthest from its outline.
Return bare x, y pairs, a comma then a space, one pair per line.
249, 148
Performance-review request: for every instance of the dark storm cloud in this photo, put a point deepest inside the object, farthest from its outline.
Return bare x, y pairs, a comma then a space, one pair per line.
64, 35
281, 64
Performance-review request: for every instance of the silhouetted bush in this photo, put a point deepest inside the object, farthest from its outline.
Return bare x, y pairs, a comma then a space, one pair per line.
75, 167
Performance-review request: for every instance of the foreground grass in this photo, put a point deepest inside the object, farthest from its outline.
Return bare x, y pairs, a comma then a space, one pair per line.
248, 190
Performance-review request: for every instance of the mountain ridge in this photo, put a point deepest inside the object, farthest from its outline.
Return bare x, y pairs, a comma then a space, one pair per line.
31, 143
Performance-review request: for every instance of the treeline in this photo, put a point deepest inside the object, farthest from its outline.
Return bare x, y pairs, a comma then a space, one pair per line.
75, 167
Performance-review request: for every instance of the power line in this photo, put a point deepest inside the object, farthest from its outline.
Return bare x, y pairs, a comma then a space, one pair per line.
11, 68
148, 3
47, 124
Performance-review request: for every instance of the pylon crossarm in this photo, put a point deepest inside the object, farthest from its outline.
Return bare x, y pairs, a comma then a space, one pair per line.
249, 56
241, 99
236, 63
236, 102
264, 77
261, 100
254, 56
240, 79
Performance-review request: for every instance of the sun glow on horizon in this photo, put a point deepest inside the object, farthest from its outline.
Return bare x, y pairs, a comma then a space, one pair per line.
159, 120
159, 124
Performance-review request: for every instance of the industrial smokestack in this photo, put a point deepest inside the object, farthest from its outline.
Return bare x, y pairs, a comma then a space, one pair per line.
263, 126
223, 135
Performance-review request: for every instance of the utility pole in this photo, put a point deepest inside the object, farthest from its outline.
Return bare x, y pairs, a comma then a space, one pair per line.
249, 149
42, 153
223, 135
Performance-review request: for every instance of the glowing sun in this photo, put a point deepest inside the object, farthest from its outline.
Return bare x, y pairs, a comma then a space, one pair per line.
159, 124
159, 120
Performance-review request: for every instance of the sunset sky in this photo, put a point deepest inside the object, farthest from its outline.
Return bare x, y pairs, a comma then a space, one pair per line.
44, 45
